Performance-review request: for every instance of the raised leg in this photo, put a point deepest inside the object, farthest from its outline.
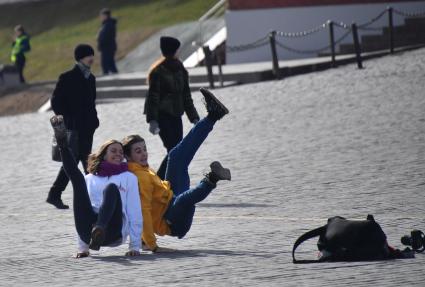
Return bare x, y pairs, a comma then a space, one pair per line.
180, 156
84, 216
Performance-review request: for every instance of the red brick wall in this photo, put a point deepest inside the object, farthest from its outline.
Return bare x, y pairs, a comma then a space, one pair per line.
263, 4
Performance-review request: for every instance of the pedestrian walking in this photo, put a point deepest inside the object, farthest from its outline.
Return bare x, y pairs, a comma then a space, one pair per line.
168, 206
106, 202
168, 98
75, 98
106, 42
20, 46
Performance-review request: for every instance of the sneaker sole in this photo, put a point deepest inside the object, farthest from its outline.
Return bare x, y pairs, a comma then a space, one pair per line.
220, 171
207, 93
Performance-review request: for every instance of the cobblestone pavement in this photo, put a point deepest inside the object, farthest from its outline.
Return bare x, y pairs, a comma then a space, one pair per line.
340, 142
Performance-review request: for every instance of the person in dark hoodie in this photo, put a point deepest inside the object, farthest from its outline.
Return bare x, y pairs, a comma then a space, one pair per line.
20, 46
75, 98
168, 98
106, 42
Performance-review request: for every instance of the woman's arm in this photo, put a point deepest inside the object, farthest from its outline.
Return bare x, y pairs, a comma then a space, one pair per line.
146, 190
189, 108
59, 97
134, 214
152, 99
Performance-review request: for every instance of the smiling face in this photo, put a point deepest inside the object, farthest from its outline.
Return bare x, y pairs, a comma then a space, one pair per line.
114, 154
139, 153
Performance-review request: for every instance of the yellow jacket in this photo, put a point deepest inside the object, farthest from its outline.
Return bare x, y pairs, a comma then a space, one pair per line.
156, 196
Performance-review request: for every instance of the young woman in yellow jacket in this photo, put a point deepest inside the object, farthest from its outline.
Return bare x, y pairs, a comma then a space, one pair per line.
168, 206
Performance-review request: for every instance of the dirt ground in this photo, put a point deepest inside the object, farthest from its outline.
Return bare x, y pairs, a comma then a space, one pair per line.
22, 100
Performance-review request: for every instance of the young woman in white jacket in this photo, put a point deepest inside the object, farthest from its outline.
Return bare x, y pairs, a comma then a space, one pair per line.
106, 203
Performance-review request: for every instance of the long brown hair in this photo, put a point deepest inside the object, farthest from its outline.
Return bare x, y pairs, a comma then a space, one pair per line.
96, 158
153, 66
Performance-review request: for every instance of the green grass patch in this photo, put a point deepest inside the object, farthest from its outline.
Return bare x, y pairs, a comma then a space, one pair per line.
57, 26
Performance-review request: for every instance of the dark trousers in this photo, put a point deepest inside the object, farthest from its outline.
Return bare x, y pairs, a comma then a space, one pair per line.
110, 212
171, 133
85, 143
20, 65
108, 62
182, 207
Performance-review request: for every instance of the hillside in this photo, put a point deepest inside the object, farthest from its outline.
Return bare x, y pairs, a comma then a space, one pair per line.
56, 26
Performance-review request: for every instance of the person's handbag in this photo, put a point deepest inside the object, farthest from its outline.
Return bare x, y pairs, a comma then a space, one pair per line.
72, 140
349, 240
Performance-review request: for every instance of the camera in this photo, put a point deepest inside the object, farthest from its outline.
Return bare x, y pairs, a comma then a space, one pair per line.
416, 240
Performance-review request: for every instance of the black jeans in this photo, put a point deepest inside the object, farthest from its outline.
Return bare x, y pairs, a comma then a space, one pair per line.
110, 212
171, 133
20, 65
108, 62
85, 143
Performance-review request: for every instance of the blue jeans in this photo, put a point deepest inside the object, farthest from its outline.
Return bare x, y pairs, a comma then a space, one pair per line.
182, 207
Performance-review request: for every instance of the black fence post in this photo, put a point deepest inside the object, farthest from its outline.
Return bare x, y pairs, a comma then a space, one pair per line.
332, 40
272, 38
357, 45
220, 70
391, 28
208, 64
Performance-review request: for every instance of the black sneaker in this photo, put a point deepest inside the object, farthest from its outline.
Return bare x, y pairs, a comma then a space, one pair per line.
218, 172
216, 110
97, 238
59, 129
57, 202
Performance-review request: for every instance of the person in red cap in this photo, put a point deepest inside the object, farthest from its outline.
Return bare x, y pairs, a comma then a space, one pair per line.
168, 98
75, 98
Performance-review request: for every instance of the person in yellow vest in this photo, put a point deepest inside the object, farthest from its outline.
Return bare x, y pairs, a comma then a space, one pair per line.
20, 46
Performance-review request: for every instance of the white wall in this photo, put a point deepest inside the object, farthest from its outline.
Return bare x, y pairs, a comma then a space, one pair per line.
246, 26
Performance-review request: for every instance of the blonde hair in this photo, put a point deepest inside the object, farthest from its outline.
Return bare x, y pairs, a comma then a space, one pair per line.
96, 158
153, 67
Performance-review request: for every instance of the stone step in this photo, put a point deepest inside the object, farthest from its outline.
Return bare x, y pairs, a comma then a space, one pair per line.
137, 79
139, 91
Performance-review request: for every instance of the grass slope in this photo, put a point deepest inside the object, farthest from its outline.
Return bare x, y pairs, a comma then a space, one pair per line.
57, 26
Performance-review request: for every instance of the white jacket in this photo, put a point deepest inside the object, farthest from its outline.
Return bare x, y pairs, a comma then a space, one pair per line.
132, 220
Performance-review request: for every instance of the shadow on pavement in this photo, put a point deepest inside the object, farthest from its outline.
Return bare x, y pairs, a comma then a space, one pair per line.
231, 205
177, 254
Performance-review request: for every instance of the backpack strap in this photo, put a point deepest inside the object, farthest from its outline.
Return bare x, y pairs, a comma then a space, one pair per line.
306, 236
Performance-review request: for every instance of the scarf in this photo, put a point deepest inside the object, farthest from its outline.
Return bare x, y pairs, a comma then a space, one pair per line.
84, 69
110, 169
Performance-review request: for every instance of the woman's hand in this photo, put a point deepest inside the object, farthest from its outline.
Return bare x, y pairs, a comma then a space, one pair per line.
154, 127
132, 253
82, 254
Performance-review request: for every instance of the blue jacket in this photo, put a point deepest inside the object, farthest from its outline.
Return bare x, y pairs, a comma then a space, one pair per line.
106, 38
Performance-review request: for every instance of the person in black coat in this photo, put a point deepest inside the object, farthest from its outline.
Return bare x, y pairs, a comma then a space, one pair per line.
106, 42
75, 98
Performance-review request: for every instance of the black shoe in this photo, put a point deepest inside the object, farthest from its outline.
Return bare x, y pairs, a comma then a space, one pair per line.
59, 129
57, 202
97, 238
216, 110
218, 172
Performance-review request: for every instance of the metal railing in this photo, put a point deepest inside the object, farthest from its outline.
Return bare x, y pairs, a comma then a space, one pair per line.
271, 37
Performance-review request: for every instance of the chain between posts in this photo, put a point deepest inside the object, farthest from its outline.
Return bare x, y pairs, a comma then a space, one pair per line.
315, 51
303, 33
245, 47
364, 26
409, 14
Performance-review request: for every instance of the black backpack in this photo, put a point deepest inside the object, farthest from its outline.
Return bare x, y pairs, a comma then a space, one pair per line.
348, 240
